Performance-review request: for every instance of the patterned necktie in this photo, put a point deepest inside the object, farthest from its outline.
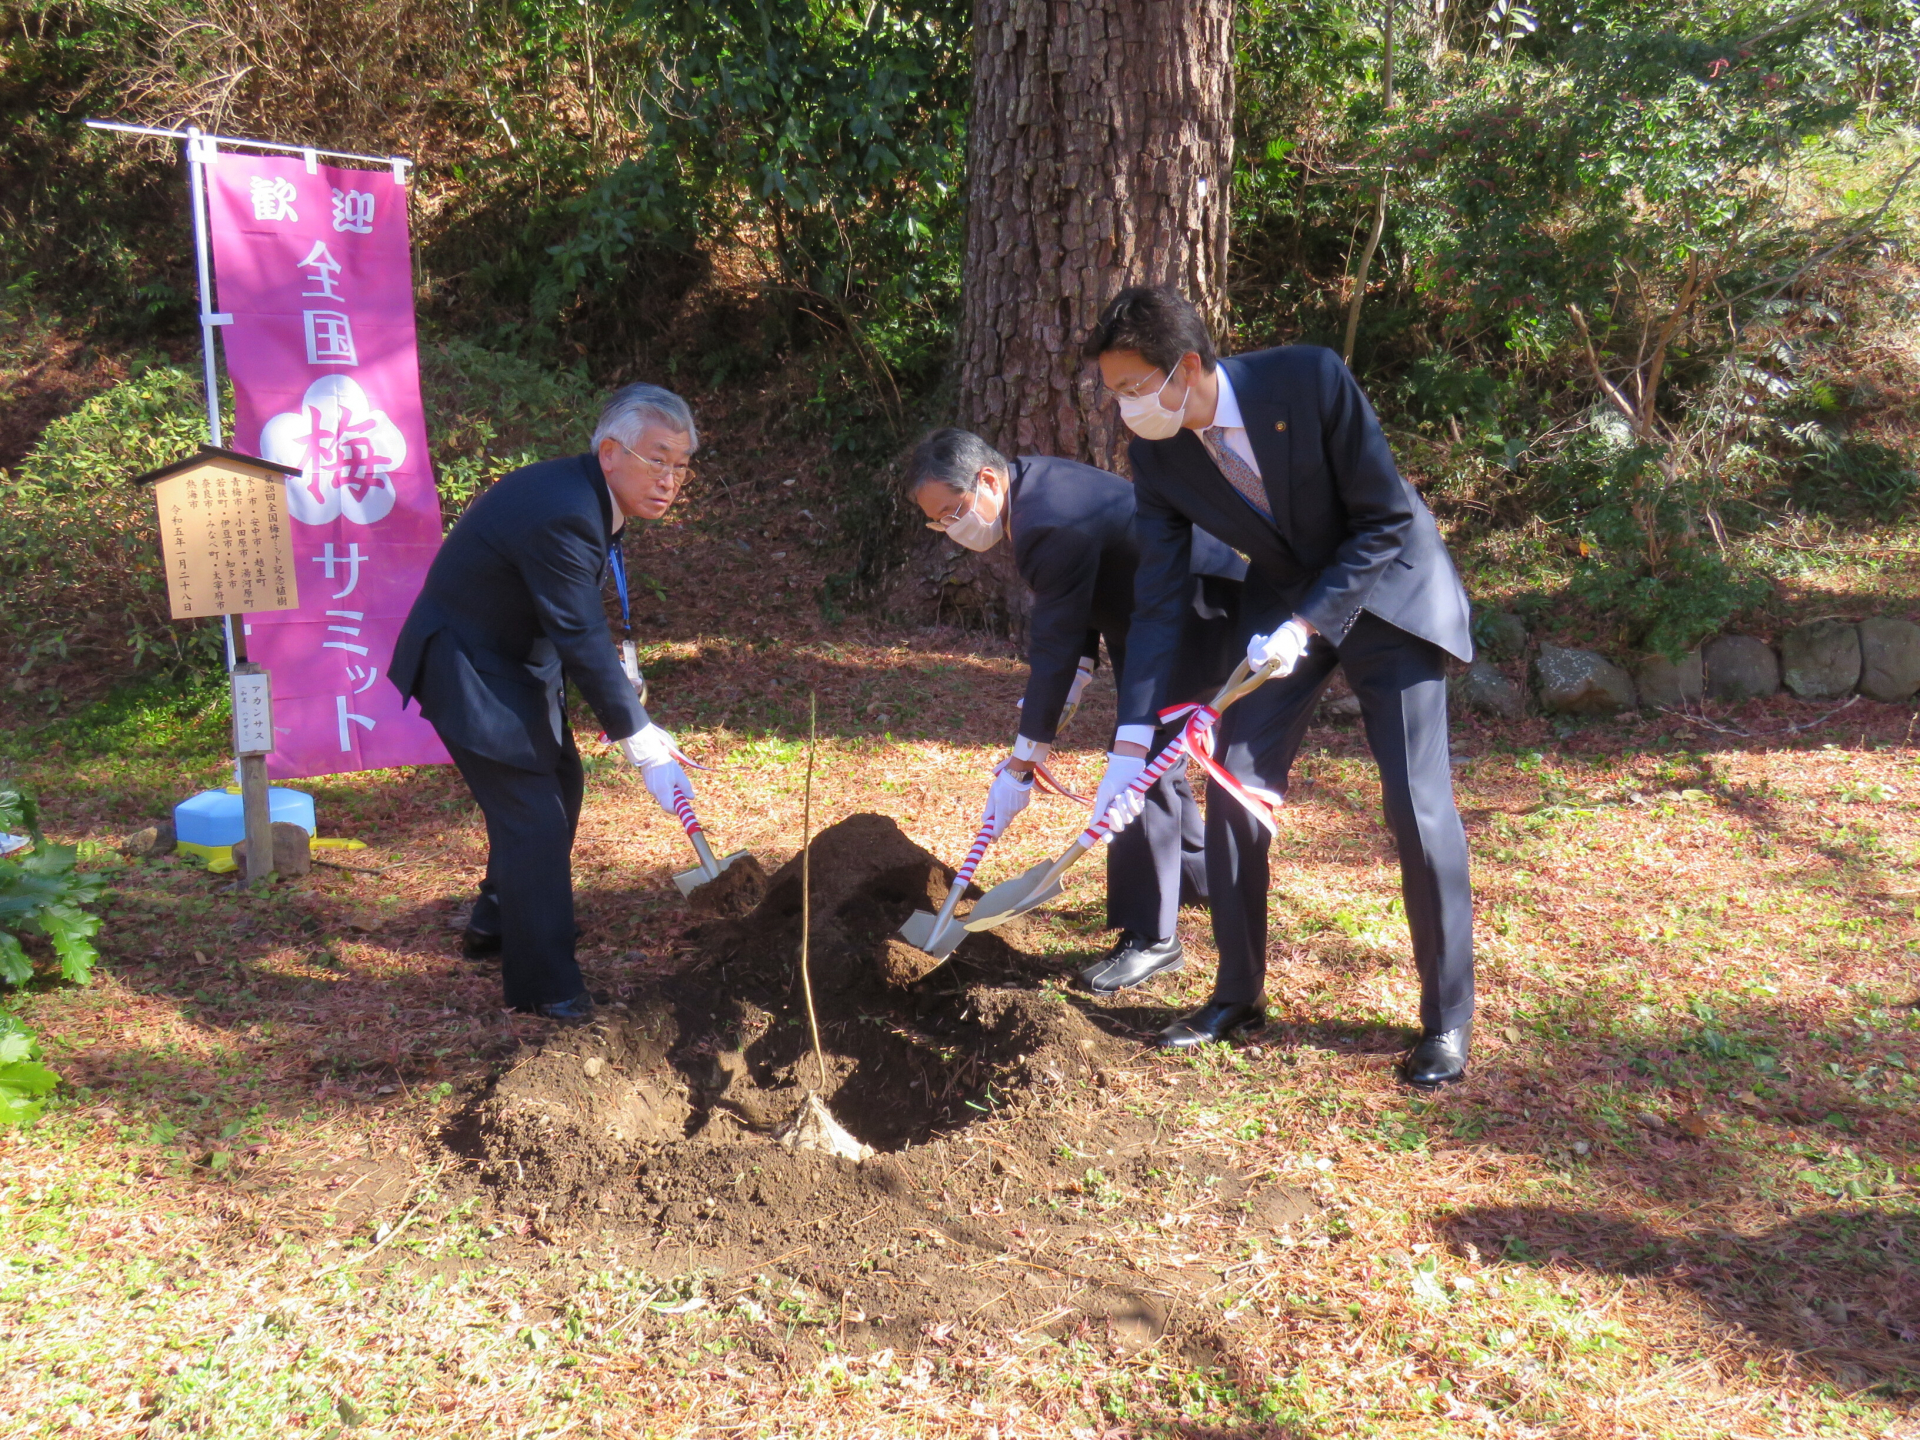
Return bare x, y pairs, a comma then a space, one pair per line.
1239, 474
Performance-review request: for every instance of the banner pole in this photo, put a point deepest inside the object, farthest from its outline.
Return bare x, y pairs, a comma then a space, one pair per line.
256, 805
210, 374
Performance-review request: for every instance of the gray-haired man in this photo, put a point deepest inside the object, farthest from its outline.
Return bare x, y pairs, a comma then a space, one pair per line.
510, 611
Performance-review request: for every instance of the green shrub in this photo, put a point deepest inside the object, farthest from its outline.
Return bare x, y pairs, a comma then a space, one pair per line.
41, 892
79, 550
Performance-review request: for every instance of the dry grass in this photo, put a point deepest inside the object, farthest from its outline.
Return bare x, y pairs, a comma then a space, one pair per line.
1677, 1197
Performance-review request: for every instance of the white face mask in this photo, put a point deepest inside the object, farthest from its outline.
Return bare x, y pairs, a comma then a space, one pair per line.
973, 532
1146, 417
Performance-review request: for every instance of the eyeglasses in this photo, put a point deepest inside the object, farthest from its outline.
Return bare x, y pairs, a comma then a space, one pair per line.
676, 473
966, 504
1143, 386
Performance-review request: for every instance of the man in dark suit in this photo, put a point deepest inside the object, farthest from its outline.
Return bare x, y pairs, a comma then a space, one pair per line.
1071, 528
510, 611
1279, 454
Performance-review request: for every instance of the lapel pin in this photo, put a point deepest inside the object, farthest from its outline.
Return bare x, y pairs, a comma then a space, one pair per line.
1280, 425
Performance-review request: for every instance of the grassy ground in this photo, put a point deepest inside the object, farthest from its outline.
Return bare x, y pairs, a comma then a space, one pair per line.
1678, 1195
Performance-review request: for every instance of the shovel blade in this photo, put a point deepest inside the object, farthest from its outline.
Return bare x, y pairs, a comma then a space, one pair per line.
925, 933
1012, 897
689, 881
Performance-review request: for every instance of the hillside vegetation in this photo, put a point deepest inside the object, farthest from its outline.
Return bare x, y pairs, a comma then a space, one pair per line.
1641, 316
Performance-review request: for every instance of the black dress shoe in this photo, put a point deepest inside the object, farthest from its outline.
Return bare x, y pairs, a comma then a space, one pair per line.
1131, 961
479, 944
577, 1011
485, 944
1219, 1020
1439, 1059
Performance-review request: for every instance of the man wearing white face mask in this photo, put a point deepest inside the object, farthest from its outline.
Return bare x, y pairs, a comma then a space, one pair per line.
1071, 527
1279, 454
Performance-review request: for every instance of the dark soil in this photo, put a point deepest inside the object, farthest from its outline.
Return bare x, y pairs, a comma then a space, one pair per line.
739, 887
977, 1081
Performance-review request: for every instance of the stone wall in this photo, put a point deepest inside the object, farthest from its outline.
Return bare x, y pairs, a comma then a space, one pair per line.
1820, 660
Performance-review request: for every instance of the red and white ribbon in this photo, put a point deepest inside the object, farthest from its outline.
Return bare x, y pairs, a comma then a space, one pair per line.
1049, 783
972, 862
1143, 782
1197, 737
683, 807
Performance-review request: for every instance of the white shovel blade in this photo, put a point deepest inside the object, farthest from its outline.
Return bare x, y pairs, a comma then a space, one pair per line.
1010, 898
924, 932
691, 880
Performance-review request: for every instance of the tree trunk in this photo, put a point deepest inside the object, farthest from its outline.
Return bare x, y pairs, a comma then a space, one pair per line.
1099, 155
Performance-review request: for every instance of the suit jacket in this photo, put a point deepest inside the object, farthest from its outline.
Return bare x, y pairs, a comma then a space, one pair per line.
1348, 533
1071, 526
510, 610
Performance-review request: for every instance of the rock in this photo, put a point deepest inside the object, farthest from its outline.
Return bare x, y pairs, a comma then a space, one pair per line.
1500, 634
145, 844
1889, 659
1341, 707
292, 851
1739, 667
1820, 660
1485, 689
1670, 684
1579, 682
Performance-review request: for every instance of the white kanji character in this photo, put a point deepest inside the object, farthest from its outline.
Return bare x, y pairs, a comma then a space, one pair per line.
273, 199
371, 672
353, 210
326, 271
347, 721
352, 560
329, 338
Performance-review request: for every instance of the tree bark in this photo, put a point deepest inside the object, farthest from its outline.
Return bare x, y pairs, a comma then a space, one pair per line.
1099, 155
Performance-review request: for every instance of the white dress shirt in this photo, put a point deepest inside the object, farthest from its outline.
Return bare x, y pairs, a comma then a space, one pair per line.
1226, 414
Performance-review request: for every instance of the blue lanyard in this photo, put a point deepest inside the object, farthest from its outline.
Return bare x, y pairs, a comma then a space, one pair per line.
617, 564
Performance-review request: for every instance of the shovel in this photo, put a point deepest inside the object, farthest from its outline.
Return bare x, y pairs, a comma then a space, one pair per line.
1043, 882
709, 868
937, 935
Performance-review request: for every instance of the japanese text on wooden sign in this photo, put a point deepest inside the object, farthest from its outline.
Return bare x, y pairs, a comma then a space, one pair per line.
224, 535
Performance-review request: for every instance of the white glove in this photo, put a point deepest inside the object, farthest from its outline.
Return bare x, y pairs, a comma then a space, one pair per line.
1007, 798
1121, 772
1285, 645
1082, 678
653, 750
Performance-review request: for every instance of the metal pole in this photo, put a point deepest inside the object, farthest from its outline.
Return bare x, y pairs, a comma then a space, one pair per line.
160, 133
203, 257
255, 803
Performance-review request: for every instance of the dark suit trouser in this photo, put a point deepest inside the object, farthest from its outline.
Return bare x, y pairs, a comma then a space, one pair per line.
1400, 681
531, 818
1159, 861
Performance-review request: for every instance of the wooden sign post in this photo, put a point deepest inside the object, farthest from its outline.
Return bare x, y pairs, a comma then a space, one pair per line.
228, 551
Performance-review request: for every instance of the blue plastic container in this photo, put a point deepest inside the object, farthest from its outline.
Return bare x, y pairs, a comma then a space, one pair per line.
211, 823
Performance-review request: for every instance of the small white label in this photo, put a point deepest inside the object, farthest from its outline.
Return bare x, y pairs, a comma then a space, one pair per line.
252, 713
630, 662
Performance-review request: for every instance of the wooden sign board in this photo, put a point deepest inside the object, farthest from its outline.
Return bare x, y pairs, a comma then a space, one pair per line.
224, 534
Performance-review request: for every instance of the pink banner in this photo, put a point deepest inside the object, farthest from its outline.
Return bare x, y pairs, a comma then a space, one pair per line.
315, 269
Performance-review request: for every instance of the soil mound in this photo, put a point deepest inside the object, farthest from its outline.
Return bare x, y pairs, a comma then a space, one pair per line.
663, 1115
735, 891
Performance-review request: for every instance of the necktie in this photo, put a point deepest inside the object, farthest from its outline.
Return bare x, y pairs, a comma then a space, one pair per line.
1239, 474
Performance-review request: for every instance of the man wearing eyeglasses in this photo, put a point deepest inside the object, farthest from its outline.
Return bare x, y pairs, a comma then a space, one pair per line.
510, 611
1071, 529
1279, 454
